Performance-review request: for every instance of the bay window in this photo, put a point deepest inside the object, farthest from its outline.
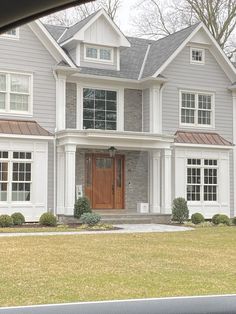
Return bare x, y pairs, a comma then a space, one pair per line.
15, 93
202, 180
15, 176
196, 109
99, 109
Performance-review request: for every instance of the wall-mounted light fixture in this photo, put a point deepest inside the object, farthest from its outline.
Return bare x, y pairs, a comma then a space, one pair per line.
112, 151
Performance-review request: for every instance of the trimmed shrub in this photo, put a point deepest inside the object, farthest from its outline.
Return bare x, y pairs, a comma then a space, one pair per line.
197, 218
48, 219
18, 219
221, 219
90, 219
180, 210
234, 221
6, 221
214, 219
82, 205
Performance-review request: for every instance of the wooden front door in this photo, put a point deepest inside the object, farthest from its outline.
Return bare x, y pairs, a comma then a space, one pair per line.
105, 181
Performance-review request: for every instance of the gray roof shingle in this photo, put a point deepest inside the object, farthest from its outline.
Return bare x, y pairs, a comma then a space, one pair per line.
55, 30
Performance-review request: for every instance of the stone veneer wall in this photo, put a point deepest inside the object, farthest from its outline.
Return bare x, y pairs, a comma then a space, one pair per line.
133, 110
70, 105
136, 176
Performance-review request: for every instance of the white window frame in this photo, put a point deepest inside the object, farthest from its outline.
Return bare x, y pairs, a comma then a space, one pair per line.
7, 110
191, 55
117, 106
98, 59
196, 124
9, 36
10, 160
202, 184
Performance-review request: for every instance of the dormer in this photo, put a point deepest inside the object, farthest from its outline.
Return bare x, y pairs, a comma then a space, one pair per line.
95, 42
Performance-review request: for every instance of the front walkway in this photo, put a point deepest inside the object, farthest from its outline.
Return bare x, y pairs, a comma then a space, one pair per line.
126, 228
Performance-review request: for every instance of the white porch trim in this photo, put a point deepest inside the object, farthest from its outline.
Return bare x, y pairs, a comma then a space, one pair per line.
155, 181
70, 155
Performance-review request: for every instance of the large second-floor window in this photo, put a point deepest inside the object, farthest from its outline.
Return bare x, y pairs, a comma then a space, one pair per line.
15, 93
196, 109
99, 109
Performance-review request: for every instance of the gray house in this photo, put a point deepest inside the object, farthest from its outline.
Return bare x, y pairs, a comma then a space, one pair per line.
130, 123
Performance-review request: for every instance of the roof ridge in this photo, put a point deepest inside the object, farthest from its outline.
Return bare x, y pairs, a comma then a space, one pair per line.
94, 13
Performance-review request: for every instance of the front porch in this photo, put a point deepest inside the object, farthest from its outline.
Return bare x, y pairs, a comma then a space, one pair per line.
118, 186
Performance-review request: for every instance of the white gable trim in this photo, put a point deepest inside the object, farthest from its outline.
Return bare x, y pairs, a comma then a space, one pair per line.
49, 42
80, 34
230, 70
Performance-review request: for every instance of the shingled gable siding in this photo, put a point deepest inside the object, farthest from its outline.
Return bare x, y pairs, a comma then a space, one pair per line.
29, 55
181, 74
133, 110
136, 176
98, 65
70, 105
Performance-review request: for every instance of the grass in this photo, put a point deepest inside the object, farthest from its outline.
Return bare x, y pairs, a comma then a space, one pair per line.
36, 270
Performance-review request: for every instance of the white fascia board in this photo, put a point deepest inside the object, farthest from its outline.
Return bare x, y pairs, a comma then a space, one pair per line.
203, 146
230, 66
49, 42
27, 137
80, 34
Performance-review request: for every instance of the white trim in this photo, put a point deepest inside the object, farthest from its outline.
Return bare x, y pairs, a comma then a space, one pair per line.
27, 137
203, 146
80, 34
58, 40
7, 111
144, 62
195, 124
8, 36
234, 150
180, 48
202, 50
98, 59
49, 42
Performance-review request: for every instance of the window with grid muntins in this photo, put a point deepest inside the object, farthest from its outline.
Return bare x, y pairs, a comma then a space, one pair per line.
15, 176
197, 55
202, 179
196, 109
14, 92
99, 109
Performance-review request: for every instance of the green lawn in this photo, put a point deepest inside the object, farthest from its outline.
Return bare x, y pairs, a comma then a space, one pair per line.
36, 270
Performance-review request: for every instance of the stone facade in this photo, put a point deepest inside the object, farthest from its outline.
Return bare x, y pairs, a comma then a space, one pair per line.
136, 176
70, 105
133, 110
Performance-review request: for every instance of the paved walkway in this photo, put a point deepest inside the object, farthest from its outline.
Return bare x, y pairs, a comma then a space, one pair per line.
126, 228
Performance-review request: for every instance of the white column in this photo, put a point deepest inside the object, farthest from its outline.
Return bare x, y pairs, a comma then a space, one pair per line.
60, 180
234, 148
156, 109
155, 181
70, 156
166, 181
60, 102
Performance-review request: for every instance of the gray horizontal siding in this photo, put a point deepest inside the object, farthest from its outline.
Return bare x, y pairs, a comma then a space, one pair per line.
210, 76
29, 55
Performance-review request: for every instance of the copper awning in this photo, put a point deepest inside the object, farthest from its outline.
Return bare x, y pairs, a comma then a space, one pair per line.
202, 138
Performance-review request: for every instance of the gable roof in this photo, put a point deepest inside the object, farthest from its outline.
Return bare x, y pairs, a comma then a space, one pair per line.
71, 31
163, 48
203, 138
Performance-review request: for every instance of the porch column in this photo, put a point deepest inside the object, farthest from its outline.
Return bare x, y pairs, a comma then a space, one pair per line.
60, 180
70, 155
166, 181
60, 102
155, 180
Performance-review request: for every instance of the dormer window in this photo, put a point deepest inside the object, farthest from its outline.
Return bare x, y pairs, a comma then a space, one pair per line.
197, 56
98, 54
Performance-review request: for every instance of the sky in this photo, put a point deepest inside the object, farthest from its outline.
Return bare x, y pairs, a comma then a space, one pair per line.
124, 15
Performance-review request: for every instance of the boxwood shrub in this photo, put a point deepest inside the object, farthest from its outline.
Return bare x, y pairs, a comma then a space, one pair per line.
82, 205
197, 218
90, 219
48, 219
180, 210
221, 219
6, 221
18, 219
